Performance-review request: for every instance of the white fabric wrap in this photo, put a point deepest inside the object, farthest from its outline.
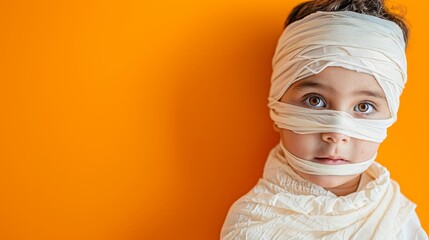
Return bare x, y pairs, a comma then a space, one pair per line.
321, 169
304, 120
345, 39
283, 205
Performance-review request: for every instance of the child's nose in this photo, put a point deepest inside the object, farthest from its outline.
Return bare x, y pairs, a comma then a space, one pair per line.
332, 137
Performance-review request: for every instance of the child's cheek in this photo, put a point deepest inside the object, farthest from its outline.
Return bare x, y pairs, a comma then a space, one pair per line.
301, 145
365, 150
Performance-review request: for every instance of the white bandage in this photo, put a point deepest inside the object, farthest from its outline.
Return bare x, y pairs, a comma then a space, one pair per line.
354, 41
305, 120
315, 168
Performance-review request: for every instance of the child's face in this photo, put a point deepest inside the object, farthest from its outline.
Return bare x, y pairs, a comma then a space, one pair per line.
339, 89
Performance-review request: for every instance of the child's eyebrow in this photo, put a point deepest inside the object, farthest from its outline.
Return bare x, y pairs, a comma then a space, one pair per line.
308, 84
375, 94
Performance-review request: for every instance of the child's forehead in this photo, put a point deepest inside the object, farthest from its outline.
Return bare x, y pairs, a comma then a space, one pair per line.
340, 80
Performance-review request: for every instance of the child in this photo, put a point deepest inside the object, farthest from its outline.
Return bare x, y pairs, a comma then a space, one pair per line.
338, 72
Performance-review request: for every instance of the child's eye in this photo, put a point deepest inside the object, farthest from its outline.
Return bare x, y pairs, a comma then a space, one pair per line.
365, 107
315, 101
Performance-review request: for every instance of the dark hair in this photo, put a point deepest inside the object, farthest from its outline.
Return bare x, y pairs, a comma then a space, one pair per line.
375, 8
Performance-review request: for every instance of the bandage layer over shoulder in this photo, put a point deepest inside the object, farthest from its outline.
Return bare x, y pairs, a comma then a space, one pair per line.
283, 205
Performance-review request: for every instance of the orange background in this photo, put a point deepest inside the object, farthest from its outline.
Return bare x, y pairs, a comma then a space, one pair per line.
142, 120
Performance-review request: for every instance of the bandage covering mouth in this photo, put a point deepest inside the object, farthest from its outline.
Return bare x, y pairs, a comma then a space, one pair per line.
354, 41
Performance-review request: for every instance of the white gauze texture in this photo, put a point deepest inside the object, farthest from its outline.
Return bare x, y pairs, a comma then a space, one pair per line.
354, 41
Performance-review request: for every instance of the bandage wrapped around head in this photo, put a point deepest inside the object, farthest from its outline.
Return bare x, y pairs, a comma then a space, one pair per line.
354, 41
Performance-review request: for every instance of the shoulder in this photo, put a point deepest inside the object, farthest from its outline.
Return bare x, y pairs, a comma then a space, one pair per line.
412, 229
407, 218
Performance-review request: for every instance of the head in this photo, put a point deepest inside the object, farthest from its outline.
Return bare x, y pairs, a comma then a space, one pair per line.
336, 84
376, 8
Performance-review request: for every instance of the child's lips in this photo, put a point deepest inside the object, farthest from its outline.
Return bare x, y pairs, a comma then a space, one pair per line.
331, 160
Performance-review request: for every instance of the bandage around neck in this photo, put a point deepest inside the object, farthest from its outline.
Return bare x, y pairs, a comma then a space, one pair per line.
314, 168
